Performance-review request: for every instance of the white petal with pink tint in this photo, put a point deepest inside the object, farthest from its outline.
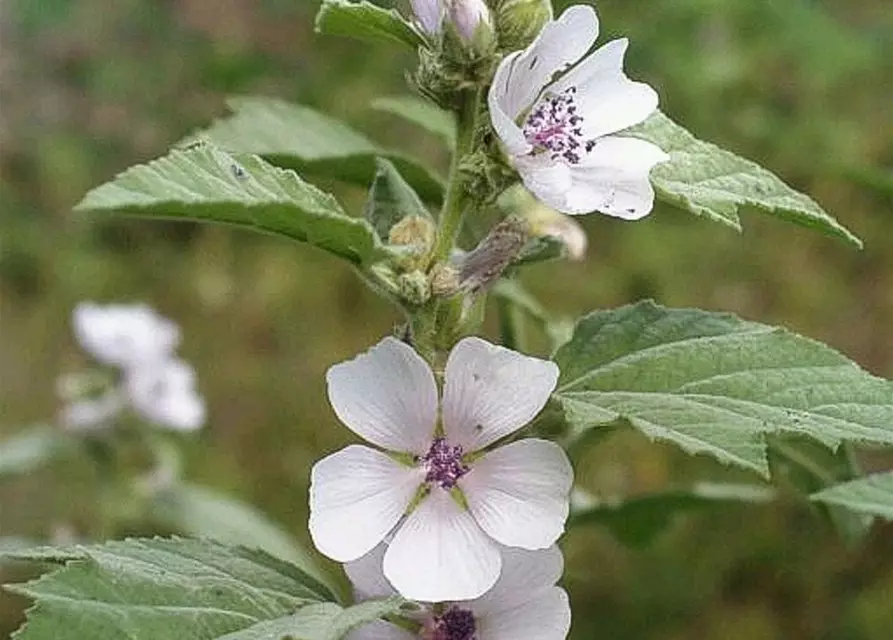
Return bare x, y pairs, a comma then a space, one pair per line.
387, 396
491, 392
519, 493
440, 553
357, 495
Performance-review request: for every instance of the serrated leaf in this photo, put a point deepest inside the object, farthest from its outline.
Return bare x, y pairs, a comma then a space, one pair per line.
319, 622
638, 520
204, 183
203, 513
713, 383
160, 589
391, 199
871, 495
31, 449
297, 137
365, 21
422, 113
709, 181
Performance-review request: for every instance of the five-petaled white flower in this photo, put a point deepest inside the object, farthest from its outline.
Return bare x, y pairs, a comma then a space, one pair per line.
524, 604
448, 501
558, 132
154, 383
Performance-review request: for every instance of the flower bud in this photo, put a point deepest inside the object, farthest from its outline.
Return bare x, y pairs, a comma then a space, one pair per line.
471, 19
519, 22
429, 15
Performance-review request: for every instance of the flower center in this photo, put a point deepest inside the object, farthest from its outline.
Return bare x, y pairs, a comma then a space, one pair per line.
554, 127
452, 624
444, 464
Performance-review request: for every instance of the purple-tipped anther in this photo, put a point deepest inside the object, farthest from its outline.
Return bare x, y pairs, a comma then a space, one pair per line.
553, 127
444, 464
452, 624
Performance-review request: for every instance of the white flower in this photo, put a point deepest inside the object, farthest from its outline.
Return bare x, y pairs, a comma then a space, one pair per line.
524, 604
515, 495
124, 335
164, 393
558, 132
429, 15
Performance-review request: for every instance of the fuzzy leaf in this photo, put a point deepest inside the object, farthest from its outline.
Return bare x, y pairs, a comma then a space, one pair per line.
871, 495
391, 199
365, 21
297, 137
709, 181
203, 183
161, 589
422, 113
203, 513
713, 383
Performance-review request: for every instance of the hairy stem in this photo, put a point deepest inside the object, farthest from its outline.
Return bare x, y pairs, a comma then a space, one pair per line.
457, 195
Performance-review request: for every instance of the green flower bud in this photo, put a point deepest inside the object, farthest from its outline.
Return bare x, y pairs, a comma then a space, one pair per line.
519, 22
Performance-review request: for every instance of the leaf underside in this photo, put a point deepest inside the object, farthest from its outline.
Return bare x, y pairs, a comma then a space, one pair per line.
871, 495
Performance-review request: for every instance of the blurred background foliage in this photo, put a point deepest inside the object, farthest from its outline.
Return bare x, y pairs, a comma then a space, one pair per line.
803, 86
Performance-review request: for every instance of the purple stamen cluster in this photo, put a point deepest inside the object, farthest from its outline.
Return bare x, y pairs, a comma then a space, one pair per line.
554, 127
453, 624
444, 464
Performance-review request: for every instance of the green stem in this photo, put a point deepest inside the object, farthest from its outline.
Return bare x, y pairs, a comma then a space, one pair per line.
457, 196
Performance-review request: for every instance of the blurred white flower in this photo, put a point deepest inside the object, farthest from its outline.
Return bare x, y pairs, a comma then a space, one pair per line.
124, 335
524, 604
460, 501
557, 130
164, 393
154, 383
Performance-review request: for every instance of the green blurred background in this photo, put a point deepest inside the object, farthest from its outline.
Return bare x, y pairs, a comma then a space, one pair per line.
805, 87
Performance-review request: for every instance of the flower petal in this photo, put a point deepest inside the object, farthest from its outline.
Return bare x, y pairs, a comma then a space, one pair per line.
524, 575
545, 178
561, 43
614, 179
607, 99
357, 495
440, 553
387, 396
491, 392
367, 576
380, 630
519, 493
123, 335
547, 618
164, 392
504, 123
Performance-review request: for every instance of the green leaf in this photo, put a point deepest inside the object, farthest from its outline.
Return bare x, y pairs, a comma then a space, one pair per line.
160, 589
365, 21
541, 249
391, 199
297, 137
203, 513
31, 449
319, 622
871, 495
422, 113
638, 520
713, 383
203, 183
709, 181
